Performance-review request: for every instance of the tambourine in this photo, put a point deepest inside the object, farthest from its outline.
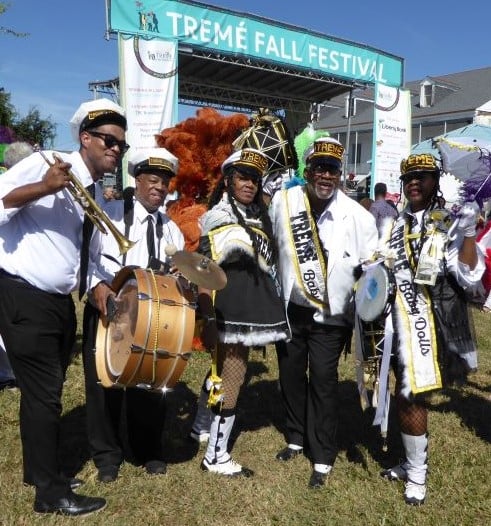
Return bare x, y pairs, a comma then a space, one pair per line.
375, 292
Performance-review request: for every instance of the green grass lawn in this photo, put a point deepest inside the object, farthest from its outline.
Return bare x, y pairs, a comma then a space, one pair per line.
460, 451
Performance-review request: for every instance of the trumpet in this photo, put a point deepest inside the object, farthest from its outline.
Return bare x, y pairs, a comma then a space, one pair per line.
92, 209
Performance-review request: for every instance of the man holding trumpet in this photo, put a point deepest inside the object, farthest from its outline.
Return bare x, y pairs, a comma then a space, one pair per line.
41, 223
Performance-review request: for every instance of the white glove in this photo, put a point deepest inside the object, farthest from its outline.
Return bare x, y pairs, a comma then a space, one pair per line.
467, 218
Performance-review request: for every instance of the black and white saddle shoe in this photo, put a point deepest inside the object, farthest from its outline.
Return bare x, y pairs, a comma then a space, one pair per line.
229, 468
287, 453
317, 479
398, 472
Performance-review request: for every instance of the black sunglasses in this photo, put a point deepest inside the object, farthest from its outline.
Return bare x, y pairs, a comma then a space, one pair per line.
332, 169
110, 140
418, 176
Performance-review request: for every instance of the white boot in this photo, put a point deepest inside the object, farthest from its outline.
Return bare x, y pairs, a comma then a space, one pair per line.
217, 458
202, 421
417, 467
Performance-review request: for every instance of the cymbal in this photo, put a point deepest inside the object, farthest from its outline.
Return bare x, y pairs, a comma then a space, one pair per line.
199, 269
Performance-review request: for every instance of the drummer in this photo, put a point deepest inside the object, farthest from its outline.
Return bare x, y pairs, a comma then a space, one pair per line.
140, 219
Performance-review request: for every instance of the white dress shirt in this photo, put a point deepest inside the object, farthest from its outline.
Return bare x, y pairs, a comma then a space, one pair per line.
41, 240
102, 268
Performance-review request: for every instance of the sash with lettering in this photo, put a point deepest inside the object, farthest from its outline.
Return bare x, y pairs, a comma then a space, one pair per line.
414, 319
308, 258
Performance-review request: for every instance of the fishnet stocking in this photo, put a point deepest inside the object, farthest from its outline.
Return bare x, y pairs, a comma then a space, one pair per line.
413, 417
232, 367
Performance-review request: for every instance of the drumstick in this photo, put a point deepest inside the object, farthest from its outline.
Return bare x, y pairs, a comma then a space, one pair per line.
170, 250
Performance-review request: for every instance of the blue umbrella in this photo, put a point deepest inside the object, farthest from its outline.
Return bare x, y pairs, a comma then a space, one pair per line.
468, 159
476, 131
464, 153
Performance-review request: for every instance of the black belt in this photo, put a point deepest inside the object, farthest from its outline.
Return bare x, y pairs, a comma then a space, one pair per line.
18, 279
5, 274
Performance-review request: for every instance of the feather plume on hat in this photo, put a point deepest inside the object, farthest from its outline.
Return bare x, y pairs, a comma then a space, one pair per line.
303, 141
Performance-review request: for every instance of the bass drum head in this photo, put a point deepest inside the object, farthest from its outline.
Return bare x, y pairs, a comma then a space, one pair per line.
372, 293
116, 337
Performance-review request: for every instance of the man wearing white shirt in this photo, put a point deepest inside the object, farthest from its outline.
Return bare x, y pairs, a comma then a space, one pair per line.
145, 411
40, 246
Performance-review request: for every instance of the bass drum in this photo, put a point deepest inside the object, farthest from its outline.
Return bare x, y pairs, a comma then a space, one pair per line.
375, 292
148, 342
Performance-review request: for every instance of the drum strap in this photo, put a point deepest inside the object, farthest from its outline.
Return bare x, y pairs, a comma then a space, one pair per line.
129, 215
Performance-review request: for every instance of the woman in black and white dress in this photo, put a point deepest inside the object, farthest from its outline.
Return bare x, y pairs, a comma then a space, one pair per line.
236, 233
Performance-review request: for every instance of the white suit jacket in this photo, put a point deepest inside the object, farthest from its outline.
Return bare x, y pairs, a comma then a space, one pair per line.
349, 235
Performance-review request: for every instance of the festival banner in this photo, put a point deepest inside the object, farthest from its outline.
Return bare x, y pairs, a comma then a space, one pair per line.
148, 87
210, 28
391, 137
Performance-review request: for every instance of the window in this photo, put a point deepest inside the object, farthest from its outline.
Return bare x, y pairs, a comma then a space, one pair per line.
427, 95
355, 153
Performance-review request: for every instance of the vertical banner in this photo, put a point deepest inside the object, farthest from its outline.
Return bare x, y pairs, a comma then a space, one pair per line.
391, 137
148, 84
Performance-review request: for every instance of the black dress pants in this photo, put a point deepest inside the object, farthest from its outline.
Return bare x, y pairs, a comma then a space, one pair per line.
115, 414
308, 373
38, 330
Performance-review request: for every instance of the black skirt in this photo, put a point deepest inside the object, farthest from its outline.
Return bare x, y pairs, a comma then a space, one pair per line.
249, 309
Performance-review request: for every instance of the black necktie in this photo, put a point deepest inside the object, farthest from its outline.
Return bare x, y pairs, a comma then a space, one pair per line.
150, 239
87, 229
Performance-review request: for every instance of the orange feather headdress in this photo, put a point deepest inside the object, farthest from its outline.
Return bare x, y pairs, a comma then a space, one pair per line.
201, 144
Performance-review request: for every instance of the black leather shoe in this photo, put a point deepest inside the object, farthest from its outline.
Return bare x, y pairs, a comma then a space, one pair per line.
74, 505
108, 473
155, 467
288, 453
317, 479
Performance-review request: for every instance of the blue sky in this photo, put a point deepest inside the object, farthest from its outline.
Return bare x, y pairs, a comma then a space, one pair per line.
51, 68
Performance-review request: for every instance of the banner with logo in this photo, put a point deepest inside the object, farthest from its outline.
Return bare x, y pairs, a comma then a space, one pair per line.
391, 137
221, 30
148, 85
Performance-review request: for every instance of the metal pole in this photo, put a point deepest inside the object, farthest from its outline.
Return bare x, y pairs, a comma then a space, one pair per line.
106, 34
348, 132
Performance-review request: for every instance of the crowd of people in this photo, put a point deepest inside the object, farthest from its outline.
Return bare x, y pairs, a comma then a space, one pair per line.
293, 259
